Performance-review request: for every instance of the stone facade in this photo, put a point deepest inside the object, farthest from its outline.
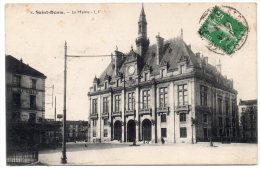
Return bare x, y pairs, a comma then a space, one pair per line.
161, 93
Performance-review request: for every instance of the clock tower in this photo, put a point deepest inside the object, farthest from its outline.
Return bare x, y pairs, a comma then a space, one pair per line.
142, 42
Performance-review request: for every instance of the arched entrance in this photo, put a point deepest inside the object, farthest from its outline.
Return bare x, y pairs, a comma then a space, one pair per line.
147, 130
117, 130
131, 131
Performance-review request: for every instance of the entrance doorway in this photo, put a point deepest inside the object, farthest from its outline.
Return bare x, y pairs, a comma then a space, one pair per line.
147, 130
131, 131
117, 131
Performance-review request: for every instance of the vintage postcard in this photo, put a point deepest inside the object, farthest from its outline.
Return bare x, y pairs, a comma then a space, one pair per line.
131, 84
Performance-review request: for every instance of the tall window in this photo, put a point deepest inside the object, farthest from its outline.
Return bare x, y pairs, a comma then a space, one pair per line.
95, 87
131, 101
203, 95
220, 123
182, 117
17, 100
105, 122
105, 105
105, 85
182, 69
94, 122
205, 118
233, 109
219, 105
32, 101
146, 99
183, 132
163, 118
117, 103
145, 76
163, 97
33, 83
182, 94
163, 73
94, 106
17, 80
163, 132
205, 132
105, 133
227, 107
94, 133
117, 82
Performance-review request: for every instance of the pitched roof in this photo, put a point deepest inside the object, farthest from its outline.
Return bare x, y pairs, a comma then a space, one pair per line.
14, 65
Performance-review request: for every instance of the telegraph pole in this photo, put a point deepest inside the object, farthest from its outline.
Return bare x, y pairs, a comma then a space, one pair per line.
64, 158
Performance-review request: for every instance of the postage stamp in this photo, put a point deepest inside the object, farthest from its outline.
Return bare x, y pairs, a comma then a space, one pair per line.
225, 28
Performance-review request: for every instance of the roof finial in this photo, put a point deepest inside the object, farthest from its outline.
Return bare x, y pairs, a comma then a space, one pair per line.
116, 48
132, 48
181, 33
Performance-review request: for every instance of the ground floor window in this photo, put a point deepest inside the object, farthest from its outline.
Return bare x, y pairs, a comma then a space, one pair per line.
163, 132
94, 133
182, 117
105, 132
163, 118
183, 132
205, 131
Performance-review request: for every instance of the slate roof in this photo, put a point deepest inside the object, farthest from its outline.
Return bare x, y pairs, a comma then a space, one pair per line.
14, 65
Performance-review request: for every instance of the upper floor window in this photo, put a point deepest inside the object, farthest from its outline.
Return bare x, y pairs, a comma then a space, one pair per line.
182, 117
233, 109
220, 122
16, 100
131, 101
105, 122
17, 80
163, 97
94, 122
219, 105
163, 118
205, 118
117, 103
105, 105
94, 106
203, 95
227, 106
105, 85
145, 76
33, 83
146, 99
182, 94
32, 101
117, 82
95, 87
182, 69
243, 109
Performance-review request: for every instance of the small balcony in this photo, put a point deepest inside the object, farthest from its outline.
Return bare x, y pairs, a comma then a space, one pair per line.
105, 115
182, 108
145, 111
163, 109
117, 114
129, 112
94, 116
203, 109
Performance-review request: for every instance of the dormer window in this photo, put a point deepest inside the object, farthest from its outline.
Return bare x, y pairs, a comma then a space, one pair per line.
182, 69
105, 85
145, 76
117, 82
95, 87
163, 73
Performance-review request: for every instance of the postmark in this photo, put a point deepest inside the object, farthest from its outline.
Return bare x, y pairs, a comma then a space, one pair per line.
224, 28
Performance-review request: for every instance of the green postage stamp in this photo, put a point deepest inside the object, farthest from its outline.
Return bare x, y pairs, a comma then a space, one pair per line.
225, 28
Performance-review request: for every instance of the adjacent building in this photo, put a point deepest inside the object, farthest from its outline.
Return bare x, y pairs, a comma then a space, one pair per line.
248, 120
162, 92
25, 102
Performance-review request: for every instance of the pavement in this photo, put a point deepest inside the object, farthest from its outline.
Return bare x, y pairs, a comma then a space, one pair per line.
152, 154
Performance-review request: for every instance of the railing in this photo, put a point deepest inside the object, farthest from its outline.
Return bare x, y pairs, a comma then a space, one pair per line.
162, 109
145, 111
129, 112
182, 108
106, 114
22, 155
94, 116
115, 114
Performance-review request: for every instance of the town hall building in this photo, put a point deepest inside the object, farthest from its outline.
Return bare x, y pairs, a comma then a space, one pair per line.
162, 92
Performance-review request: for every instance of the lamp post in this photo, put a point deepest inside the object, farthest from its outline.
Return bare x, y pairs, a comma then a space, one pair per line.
64, 157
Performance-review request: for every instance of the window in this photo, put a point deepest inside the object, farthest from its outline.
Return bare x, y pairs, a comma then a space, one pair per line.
32, 101
163, 97
163, 132
182, 94
203, 95
17, 80
17, 100
95, 87
105, 105
117, 103
233, 109
105, 122
183, 132
105, 133
32, 118
145, 76
117, 82
227, 122
105, 85
163, 73
227, 107
182, 117
131, 100
163, 118
219, 105
233, 122
94, 106
94, 133
205, 118
220, 132
220, 123
243, 109
94, 122
182, 69
146, 99
33, 83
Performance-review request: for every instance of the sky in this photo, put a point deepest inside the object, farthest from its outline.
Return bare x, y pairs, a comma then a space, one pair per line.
39, 40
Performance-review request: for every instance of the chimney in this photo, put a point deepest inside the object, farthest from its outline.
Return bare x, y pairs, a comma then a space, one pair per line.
218, 66
159, 48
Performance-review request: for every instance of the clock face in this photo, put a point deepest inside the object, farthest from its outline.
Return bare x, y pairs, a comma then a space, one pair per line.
131, 70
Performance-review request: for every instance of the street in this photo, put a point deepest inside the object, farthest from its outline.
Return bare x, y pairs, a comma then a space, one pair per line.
152, 154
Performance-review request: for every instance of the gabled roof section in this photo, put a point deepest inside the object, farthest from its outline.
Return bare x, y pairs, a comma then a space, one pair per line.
14, 65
